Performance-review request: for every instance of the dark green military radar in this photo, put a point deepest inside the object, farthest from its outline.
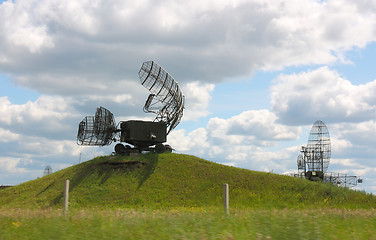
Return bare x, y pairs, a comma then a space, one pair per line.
166, 101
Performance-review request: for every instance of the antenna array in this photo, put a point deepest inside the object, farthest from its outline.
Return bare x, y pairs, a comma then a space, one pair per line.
314, 159
166, 101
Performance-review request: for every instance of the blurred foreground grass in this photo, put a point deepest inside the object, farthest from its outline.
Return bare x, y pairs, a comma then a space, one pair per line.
194, 223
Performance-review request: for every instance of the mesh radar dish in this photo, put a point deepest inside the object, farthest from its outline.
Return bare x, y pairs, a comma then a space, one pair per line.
47, 171
166, 99
98, 130
314, 159
318, 148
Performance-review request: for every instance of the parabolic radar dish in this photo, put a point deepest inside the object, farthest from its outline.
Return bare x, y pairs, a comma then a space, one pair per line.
166, 99
314, 159
318, 149
98, 130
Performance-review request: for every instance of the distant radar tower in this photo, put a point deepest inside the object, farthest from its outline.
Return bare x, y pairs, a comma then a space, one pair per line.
47, 171
314, 158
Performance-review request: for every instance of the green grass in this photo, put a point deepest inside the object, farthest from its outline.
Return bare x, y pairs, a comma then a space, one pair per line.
188, 224
173, 181
175, 196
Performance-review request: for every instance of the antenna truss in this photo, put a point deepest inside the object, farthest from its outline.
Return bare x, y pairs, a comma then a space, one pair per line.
318, 150
314, 159
98, 130
341, 179
166, 99
47, 171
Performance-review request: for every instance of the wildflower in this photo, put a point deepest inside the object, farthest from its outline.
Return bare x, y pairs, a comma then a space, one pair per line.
16, 224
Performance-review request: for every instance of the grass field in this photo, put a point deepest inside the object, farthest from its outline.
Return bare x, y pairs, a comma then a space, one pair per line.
175, 180
175, 196
189, 224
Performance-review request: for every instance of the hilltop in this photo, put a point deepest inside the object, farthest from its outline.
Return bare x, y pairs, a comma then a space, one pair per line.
175, 180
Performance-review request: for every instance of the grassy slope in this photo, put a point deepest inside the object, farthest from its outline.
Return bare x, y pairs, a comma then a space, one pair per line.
175, 180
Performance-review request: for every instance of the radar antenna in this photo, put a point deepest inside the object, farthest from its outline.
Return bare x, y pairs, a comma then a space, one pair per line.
98, 130
166, 100
314, 159
47, 171
318, 150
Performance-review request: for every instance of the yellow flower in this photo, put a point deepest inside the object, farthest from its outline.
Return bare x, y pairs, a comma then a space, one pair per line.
16, 224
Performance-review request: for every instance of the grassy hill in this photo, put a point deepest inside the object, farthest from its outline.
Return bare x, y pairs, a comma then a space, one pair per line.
175, 180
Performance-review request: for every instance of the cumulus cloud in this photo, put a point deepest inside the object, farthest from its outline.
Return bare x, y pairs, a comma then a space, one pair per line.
362, 133
195, 142
240, 139
47, 116
8, 136
197, 98
9, 165
322, 94
252, 125
104, 42
355, 141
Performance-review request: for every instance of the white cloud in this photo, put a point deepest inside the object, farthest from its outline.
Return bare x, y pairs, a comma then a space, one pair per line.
47, 116
8, 136
10, 165
194, 142
244, 139
252, 124
339, 145
362, 133
21, 28
197, 98
321, 94
74, 43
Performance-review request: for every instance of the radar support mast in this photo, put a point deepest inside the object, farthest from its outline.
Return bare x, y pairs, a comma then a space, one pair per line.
314, 159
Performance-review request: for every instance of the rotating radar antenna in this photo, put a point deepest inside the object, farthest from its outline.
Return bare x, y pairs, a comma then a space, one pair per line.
47, 171
166, 99
314, 158
318, 148
98, 130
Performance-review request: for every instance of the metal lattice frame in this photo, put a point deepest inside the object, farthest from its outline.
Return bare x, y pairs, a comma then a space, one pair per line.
98, 130
166, 99
314, 159
341, 179
318, 150
301, 163
47, 171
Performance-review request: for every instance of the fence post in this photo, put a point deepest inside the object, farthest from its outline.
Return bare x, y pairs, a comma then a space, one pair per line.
226, 198
66, 196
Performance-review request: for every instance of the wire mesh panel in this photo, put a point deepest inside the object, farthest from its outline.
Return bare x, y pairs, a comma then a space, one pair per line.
300, 162
104, 123
314, 159
318, 150
47, 171
166, 99
98, 130
341, 179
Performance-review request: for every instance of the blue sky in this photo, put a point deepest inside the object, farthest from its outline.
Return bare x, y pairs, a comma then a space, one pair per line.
16, 94
256, 75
